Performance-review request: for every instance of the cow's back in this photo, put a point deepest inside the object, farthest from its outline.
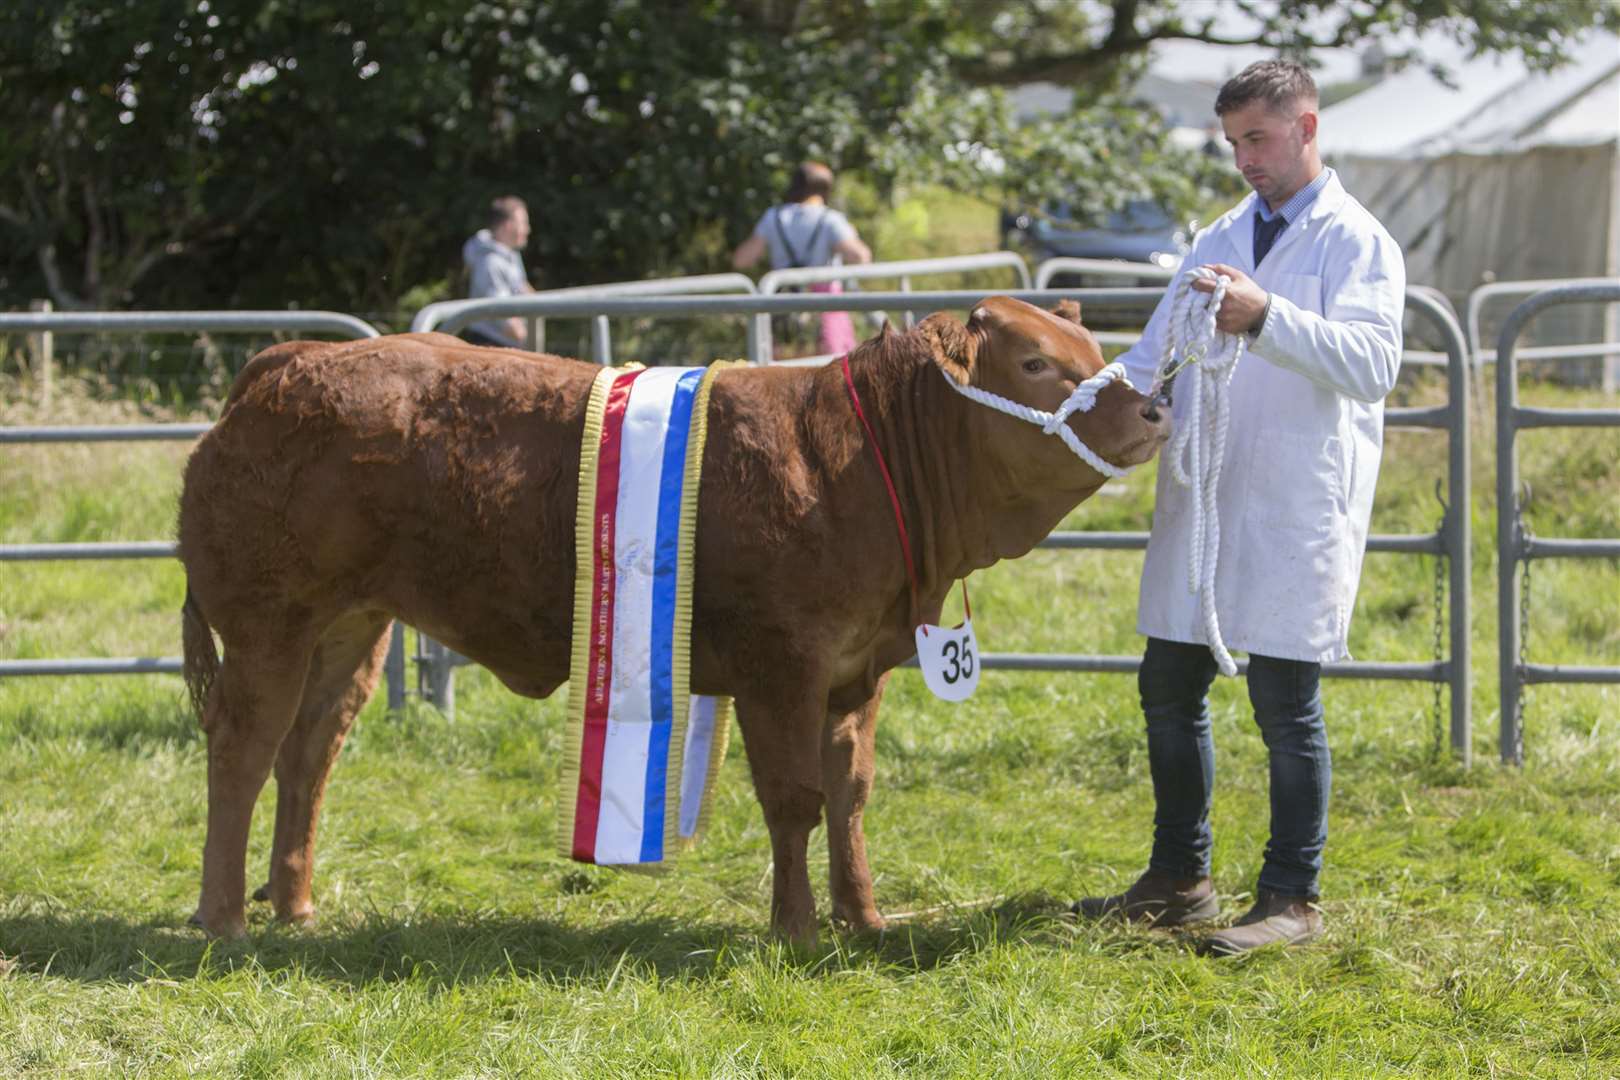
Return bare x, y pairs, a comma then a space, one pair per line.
414, 473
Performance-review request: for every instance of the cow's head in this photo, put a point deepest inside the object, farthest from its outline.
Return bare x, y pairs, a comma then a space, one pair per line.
1037, 358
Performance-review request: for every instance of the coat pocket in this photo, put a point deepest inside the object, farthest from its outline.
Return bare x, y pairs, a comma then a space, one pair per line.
1299, 482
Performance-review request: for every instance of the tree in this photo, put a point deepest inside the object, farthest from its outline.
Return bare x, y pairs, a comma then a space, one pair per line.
184, 153
200, 158
1010, 42
335, 154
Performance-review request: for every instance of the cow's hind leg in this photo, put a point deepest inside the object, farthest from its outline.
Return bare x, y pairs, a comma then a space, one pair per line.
249, 708
846, 769
343, 673
784, 757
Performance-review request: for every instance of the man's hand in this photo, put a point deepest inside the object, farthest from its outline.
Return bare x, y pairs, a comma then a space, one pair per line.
1245, 303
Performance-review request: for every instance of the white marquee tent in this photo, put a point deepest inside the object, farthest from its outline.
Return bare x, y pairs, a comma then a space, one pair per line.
1508, 175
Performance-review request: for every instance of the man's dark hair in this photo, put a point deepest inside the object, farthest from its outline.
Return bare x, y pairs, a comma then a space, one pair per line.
502, 209
1278, 83
810, 178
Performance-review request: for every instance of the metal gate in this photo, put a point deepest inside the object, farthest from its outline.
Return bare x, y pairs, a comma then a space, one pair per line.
135, 322
1607, 351
1514, 545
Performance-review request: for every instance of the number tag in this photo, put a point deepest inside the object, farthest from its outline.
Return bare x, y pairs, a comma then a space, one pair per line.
949, 660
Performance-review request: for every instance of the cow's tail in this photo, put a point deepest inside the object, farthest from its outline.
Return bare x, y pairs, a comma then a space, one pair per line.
201, 660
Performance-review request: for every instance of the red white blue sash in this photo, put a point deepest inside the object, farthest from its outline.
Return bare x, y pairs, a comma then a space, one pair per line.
641, 752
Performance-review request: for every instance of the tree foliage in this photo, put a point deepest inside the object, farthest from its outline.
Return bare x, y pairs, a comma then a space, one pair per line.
191, 153
1010, 42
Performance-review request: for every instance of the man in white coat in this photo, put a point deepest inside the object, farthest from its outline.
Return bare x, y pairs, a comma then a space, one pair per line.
1318, 288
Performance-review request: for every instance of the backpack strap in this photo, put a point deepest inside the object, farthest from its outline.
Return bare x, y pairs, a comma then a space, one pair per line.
795, 261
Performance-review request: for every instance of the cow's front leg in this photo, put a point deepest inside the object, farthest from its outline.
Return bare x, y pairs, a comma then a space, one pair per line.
783, 745
846, 771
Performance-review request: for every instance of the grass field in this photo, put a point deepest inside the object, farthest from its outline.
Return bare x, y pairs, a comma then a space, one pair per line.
1471, 914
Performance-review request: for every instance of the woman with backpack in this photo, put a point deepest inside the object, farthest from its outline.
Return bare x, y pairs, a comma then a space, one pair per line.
803, 230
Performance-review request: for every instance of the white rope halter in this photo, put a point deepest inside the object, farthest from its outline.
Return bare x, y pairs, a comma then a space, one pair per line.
1198, 445
1053, 423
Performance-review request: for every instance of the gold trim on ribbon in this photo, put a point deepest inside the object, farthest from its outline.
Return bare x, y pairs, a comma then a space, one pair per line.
722, 705
590, 448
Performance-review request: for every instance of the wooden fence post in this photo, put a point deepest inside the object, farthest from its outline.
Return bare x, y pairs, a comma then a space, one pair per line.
39, 348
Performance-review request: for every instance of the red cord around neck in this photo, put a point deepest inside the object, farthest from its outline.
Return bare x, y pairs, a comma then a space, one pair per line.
888, 482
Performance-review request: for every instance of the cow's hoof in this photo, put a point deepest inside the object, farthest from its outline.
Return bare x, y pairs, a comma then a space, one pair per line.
801, 938
864, 922
262, 893
299, 917
226, 930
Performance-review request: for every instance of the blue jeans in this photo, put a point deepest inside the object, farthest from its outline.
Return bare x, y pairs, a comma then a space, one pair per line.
1174, 680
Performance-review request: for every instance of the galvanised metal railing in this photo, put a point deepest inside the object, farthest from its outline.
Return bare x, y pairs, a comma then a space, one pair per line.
135, 322
1484, 294
452, 315
1450, 540
165, 322
1122, 268
1514, 544
904, 269
601, 332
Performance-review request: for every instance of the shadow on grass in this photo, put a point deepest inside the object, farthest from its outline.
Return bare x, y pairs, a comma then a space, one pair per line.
438, 950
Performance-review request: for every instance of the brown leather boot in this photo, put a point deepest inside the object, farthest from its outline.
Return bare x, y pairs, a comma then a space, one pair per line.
1156, 899
1274, 918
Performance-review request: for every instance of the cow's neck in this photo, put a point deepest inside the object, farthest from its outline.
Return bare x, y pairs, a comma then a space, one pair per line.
1011, 509
960, 515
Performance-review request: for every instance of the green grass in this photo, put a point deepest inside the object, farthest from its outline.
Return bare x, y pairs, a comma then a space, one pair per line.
1470, 913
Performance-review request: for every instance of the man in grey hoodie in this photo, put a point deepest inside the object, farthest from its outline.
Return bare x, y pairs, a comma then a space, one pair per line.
495, 268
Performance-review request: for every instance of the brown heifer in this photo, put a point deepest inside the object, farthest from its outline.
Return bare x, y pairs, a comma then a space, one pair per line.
420, 478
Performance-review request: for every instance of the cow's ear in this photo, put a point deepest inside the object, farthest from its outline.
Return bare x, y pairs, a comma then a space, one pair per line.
1069, 309
954, 346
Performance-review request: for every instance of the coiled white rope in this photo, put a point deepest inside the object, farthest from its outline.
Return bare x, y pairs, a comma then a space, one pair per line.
1206, 358
1083, 398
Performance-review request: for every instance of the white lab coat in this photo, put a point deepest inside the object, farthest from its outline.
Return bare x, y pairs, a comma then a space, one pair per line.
1306, 435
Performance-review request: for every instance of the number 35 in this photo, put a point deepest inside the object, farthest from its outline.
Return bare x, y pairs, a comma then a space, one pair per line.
960, 655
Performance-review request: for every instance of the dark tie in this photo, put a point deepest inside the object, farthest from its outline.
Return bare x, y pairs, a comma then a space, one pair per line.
1265, 234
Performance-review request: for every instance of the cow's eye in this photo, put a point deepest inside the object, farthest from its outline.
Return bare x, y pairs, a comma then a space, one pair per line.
1034, 365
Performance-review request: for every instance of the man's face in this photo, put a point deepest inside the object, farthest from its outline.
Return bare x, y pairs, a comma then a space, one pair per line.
514, 231
1272, 148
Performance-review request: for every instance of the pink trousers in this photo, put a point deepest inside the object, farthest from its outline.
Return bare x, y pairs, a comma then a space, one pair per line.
837, 332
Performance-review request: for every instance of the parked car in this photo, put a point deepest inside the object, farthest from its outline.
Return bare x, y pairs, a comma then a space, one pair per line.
1141, 232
